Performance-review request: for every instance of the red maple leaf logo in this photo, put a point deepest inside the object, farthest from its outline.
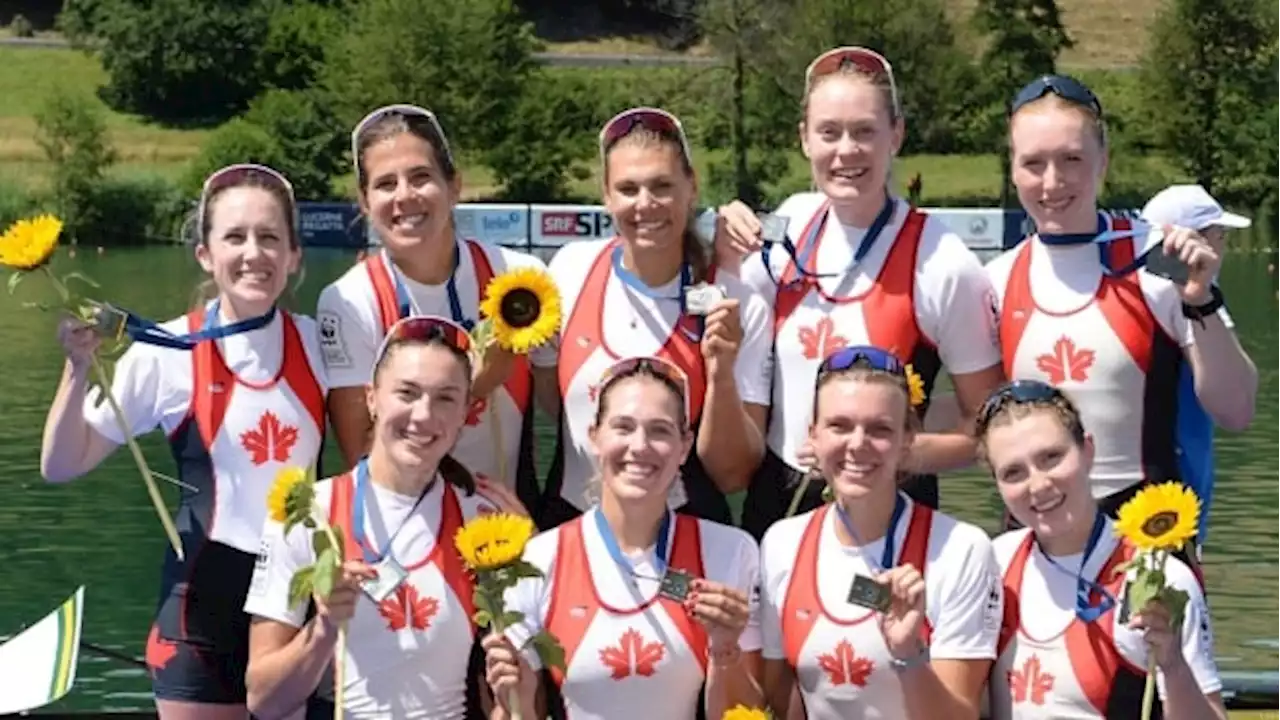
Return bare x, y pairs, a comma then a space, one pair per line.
821, 340
843, 666
1029, 684
593, 392
631, 647
406, 609
270, 440
1065, 362
159, 650
478, 406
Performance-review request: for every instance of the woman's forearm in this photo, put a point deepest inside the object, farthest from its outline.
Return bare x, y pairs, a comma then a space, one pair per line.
280, 681
71, 446
732, 682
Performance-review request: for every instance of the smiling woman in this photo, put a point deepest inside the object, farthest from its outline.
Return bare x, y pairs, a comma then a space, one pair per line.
228, 446
649, 292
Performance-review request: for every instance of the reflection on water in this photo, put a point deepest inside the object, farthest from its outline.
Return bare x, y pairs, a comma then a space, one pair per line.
100, 531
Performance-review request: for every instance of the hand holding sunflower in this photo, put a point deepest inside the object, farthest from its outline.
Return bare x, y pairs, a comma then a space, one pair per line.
1158, 521
291, 502
492, 546
28, 247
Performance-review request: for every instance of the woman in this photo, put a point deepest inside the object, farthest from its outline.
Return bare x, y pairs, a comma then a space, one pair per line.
408, 185
1071, 653
866, 268
238, 389
644, 628
399, 510
875, 606
1077, 316
649, 291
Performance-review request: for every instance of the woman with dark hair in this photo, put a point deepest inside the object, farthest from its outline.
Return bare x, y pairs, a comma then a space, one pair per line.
650, 291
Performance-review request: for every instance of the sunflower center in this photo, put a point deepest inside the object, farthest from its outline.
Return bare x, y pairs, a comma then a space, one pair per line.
1160, 523
520, 308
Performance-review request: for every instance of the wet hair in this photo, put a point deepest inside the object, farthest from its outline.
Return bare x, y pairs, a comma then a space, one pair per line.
859, 372
1097, 127
1007, 409
646, 370
879, 80
453, 472
394, 123
695, 254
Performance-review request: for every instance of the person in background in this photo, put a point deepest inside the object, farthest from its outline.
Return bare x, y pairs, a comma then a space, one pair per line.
238, 387
874, 605
409, 183
1191, 206
404, 595
1077, 314
650, 291
859, 266
1066, 649
652, 608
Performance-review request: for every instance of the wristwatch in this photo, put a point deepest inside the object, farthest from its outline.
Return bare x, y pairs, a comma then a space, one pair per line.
903, 664
1200, 312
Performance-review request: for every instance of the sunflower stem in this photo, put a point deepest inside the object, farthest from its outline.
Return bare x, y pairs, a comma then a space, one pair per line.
795, 499
495, 427
1149, 689
495, 624
340, 648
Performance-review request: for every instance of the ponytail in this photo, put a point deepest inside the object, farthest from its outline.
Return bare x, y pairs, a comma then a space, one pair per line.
695, 253
457, 475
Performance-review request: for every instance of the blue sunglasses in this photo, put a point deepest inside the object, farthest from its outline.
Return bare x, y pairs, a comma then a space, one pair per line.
1018, 392
862, 356
1065, 87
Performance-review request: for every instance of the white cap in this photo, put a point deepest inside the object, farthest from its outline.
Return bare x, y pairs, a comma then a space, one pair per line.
1190, 206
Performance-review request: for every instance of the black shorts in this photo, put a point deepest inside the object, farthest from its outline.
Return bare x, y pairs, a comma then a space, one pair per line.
198, 648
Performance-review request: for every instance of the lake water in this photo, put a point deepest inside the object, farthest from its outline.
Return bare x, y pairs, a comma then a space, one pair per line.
100, 530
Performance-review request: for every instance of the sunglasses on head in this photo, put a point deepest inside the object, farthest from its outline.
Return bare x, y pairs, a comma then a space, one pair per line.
1018, 392
862, 356
423, 328
1065, 87
233, 175
403, 111
868, 61
651, 119
632, 366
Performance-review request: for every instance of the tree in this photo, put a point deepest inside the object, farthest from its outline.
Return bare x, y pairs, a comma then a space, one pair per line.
1209, 80
555, 130
1024, 38
466, 60
174, 60
72, 133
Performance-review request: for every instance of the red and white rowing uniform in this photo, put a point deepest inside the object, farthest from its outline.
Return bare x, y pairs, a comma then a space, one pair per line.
841, 662
629, 654
355, 311
1114, 345
1054, 666
394, 648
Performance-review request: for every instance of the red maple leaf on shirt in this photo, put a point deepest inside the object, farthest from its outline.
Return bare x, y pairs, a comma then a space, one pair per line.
821, 340
1029, 684
1065, 362
159, 651
843, 666
632, 647
271, 440
406, 609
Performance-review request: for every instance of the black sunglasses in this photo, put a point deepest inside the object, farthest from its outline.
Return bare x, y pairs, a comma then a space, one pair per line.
1018, 392
1065, 87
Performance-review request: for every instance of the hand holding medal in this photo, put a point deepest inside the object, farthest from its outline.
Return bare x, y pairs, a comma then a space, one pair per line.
724, 612
902, 610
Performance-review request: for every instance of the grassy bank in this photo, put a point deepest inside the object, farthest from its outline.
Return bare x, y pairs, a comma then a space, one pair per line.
148, 149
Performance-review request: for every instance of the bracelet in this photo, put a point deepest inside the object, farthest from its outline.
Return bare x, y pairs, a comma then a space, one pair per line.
903, 664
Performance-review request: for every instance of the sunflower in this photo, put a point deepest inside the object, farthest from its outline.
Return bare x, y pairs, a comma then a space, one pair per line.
1160, 517
28, 244
492, 541
525, 307
742, 712
291, 495
915, 386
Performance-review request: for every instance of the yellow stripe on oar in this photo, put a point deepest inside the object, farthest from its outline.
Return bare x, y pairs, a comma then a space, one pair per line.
68, 639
